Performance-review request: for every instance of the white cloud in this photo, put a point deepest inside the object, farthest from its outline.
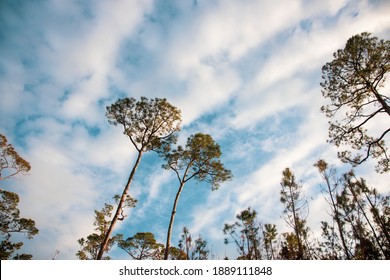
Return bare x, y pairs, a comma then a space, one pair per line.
257, 103
207, 89
232, 28
255, 63
59, 201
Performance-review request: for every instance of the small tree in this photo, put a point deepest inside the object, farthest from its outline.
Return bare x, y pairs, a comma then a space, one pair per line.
270, 233
185, 243
150, 125
200, 251
199, 160
90, 247
195, 249
141, 246
352, 83
295, 210
245, 234
333, 191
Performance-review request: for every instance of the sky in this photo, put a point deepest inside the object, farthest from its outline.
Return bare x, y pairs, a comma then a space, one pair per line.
246, 72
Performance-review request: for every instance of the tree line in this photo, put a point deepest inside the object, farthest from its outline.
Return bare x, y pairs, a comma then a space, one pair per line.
359, 215
358, 228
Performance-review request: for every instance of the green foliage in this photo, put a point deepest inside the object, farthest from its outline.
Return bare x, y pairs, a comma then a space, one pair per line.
185, 242
10, 223
295, 211
352, 83
200, 251
142, 246
270, 233
360, 218
329, 248
10, 220
335, 236
128, 202
199, 159
176, 254
367, 215
195, 249
290, 247
90, 246
244, 233
11, 163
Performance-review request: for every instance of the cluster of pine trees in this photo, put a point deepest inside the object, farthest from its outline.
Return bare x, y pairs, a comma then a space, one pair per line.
358, 229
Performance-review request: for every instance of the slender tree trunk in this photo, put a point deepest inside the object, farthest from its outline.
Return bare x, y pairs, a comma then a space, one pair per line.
341, 232
249, 255
267, 248
368, 221
337, 218
103, 246
168, 243
272, 251
378, 218
296, 226
385, 106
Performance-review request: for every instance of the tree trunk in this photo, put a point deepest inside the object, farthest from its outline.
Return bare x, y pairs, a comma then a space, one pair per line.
380, 99
296, 226
168, 243
103, 246
337, 218
355, 196
378, 218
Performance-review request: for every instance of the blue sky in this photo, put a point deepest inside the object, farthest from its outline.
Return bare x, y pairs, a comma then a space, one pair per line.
246, 72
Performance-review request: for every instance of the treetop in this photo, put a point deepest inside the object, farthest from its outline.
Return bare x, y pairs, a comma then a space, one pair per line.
148, 123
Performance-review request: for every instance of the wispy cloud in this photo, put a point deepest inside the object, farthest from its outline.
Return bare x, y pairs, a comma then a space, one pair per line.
247, 72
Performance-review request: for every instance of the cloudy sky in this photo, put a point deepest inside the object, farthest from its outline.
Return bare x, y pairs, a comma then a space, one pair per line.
246, 72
